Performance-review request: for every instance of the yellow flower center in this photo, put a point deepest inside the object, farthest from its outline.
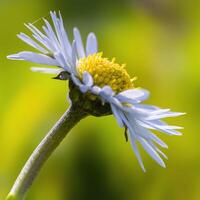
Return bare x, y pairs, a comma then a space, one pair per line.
105, 72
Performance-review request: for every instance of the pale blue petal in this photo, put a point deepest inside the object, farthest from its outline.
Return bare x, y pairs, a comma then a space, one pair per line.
161, 128
46, 70
64, 44
74, 58
156, 139
46, 42
95, 90
116, 113
133, 138
106, 94
79, 43
141, 123
157, 122
38, 35
161, 153
145, 137
55, 41
157, 113
59, 57
34, 30
51, 35
141, 131
160, 111
84, 88
157, 149
169, 127
145, 107
76, 80
65, 39
151, 151
57, 33
136, 151
42, 38
87, 79
133, 96
31, 42
116, 102
165, 115
34, 57
91, 45
136, 112
107, 91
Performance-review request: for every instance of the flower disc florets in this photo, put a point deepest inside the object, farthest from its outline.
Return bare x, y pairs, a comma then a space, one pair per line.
105, 72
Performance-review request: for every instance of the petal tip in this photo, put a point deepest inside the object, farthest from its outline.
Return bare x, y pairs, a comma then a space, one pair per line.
12, 56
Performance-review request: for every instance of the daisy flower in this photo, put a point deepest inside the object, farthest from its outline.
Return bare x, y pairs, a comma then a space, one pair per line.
99, 79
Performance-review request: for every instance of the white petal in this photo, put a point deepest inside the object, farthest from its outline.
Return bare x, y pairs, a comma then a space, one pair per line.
79, 43
91, 46
133, 96
34, 57
46, 70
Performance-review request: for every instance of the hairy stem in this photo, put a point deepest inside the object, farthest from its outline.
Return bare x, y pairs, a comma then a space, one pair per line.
35, 162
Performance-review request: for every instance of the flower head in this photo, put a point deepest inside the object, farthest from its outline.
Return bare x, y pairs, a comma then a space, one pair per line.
103, 83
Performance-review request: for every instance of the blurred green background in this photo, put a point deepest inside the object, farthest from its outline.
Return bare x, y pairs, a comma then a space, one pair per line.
160, 43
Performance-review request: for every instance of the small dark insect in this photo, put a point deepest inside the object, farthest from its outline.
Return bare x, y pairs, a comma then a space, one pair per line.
64, 75
126, 134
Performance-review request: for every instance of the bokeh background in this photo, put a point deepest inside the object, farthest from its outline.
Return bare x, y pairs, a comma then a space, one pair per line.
160, 43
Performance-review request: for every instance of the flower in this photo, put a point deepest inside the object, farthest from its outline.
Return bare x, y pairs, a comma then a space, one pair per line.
100, 78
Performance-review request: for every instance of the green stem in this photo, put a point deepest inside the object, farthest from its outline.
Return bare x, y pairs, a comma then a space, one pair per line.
35, 162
